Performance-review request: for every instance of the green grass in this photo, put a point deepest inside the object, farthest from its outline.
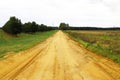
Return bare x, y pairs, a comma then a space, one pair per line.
105, 43
9, 43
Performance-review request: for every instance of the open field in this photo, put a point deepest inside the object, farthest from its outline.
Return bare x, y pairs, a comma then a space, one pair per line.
105, 43
58, 58
11, 44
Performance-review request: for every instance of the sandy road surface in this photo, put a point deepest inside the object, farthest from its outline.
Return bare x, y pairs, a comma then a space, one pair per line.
58, 58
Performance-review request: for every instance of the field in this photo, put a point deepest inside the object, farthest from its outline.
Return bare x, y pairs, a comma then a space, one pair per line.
12, 44
105, 43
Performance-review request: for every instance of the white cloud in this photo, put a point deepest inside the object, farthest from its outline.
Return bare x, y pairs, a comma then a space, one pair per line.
74, 12
114, 5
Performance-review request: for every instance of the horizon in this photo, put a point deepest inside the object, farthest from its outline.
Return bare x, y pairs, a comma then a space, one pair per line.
96, 13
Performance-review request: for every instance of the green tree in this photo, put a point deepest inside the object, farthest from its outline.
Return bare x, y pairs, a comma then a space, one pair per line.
34, 27
30, 27
64, 26
13, 26
26, 27
42, 27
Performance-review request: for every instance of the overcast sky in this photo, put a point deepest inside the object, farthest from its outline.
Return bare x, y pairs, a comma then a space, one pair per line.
102, 13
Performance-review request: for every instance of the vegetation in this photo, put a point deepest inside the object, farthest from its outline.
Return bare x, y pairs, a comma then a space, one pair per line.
89, 28
42, 28
30, 27
9, 43
105, 43
26, 35
15, 34
13, 26
64, 26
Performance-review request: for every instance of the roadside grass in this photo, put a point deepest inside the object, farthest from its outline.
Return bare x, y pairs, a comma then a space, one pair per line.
23, 41
105, 43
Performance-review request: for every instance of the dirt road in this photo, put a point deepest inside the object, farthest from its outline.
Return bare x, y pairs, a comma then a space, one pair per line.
58, 58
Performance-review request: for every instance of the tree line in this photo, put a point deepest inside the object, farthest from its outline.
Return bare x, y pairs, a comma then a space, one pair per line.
93, 28
64, 26
15, 26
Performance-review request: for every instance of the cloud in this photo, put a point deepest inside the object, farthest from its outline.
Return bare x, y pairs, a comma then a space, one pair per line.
74, 12
114, 5
95, 1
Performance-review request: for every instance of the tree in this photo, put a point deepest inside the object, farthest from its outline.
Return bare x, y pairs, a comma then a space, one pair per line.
34, 27
42, 27
30, 27
64, 26
13, 26
26, 27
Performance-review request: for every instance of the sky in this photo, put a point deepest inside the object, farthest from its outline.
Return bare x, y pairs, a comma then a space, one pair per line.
101, 13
